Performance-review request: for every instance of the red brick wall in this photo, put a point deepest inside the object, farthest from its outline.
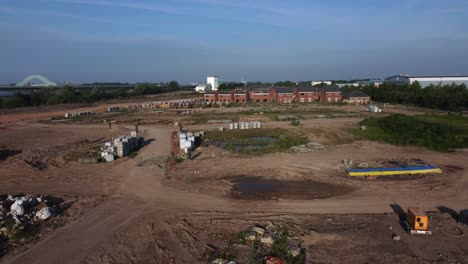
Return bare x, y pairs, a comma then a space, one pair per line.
263, 97
240, 98
313, 96
225, 98
285, 97
210, 98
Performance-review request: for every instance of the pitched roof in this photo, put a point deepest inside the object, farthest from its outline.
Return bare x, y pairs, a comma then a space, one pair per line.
332, 88
260, 90
308, 89
284, 90
355, 93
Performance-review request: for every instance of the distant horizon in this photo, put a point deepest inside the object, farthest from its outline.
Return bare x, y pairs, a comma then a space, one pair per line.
271, 40
239, 81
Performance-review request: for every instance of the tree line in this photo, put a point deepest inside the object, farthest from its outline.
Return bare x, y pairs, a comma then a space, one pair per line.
450, 97
69, 94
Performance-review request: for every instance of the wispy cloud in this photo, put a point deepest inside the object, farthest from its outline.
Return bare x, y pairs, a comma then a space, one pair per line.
17, 11
154, 7
280, 14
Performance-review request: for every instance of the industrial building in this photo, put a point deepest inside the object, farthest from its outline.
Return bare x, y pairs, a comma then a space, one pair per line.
426, 81
212, 81
212, 84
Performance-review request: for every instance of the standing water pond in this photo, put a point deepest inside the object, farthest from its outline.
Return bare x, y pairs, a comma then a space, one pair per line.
255, 141
258, 188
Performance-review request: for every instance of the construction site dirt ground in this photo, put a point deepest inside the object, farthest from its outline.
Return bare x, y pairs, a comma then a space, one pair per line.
138, 210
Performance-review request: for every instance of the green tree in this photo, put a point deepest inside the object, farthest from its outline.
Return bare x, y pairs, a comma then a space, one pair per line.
173, 86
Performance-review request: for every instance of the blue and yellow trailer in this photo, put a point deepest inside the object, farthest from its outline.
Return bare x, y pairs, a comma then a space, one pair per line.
362, 172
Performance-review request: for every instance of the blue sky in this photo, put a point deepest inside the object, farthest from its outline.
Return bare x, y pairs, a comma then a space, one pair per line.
266, 40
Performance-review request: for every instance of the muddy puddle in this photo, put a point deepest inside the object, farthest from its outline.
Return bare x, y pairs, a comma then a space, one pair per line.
258, 188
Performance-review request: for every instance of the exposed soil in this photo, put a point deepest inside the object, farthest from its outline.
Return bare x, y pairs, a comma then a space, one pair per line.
136, 210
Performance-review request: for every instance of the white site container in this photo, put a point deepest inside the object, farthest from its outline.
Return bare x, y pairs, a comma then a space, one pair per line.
231, 126
259, 125
183, 136
192, 138
236, 125
242, 125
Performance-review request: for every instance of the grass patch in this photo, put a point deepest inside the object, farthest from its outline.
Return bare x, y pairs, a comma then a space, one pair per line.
255, 141
203, 118
91, 150
436, 132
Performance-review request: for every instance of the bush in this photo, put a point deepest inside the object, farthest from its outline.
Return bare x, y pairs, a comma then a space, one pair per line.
432, 133
295, 123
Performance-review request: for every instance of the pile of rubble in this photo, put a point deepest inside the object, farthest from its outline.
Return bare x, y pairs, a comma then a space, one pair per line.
121, 146
20, 217
269, 234
269, 244
309, 147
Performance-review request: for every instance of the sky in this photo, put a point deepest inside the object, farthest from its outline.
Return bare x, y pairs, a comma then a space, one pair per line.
260, 40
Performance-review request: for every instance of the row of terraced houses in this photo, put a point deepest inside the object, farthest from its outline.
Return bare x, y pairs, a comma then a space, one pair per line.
306, 94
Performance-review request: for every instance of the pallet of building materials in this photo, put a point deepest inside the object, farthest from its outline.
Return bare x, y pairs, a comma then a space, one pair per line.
361, 172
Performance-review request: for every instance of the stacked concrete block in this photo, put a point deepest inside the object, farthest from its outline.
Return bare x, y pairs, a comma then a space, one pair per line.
120, 147
186, 141
75, 114
245, 125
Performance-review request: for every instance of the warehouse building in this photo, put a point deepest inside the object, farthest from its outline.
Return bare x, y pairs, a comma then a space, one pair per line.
427, 80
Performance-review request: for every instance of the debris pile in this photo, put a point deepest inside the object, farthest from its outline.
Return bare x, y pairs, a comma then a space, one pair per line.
76, 114
309, 147
121, 146
245, 125
21, 217
261, 244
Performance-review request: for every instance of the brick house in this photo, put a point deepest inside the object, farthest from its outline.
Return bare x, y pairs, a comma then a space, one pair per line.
307, 94
330, 94
356, 97
225, 97
285, 95
240, 96
210, 97
262, 95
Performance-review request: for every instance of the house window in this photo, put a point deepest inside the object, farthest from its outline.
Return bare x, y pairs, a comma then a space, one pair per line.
285, 100
310, 100
302, 93
303, 100
265, 100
